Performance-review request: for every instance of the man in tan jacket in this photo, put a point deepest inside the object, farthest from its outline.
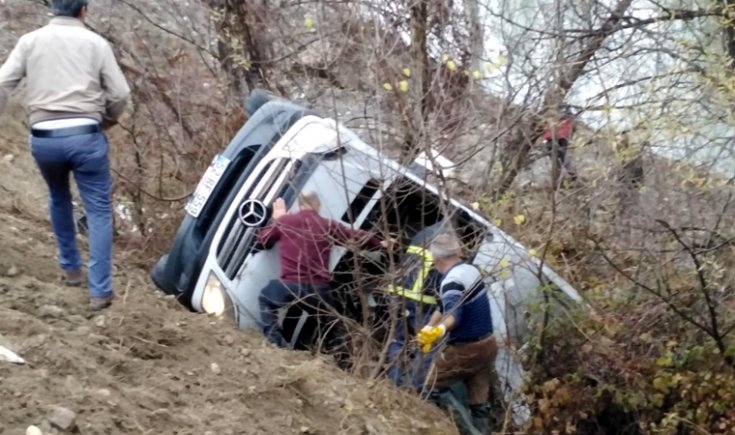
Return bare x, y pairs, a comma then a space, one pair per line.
75, 88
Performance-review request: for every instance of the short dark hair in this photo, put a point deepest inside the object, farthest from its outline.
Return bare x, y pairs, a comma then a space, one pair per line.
68, 8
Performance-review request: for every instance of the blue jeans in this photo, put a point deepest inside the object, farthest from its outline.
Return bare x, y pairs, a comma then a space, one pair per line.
86, 157
402, 365
276, 295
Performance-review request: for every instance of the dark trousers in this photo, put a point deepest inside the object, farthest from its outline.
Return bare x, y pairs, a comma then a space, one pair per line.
85, 156
563, 160
402, 363
276, 295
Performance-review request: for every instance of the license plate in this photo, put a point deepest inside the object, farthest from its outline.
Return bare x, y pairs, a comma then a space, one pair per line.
206, 185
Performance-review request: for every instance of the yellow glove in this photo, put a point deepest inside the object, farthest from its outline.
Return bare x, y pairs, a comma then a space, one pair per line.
429, 335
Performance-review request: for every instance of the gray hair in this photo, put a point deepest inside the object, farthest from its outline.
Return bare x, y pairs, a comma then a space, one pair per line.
68, 8
445, 246
309, 199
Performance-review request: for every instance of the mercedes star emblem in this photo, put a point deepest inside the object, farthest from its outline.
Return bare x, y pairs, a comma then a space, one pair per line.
253, 212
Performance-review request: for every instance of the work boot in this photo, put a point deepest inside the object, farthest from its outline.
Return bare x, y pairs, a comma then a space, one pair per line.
99, 304
481, 418
74, 278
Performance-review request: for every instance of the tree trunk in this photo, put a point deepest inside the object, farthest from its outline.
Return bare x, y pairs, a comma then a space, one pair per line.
241, 47
415, 116
476, 34
728, 12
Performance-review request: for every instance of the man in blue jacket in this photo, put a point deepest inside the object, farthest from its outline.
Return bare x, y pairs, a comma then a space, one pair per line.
464, 318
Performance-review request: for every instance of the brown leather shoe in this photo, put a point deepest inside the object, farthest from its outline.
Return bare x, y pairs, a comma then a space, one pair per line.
98, 304
74, 278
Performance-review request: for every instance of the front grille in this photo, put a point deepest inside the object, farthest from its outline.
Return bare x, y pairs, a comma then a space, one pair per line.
235, 247
238, 240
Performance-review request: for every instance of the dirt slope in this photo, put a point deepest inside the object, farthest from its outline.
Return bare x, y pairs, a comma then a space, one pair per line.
147, 366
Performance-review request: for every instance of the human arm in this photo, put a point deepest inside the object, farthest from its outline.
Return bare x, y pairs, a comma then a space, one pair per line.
448, 322
442, 322
114, 85
436, 316
451, 296
271, 234
344, 235
12, 72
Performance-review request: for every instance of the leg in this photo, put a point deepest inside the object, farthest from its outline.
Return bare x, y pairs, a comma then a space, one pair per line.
92, 173
564, 160
274, 296
321, 305
51, 160
332, 331
448, 368
454, 364
479, 385
472, 364
421, 363
397, 347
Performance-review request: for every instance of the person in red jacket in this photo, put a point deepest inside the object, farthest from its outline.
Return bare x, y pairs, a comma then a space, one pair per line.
306, 241
562, 133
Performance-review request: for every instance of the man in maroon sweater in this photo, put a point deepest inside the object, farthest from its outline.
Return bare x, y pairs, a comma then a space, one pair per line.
306, 241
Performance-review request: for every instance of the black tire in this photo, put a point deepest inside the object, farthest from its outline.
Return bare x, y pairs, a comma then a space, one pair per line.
257, 98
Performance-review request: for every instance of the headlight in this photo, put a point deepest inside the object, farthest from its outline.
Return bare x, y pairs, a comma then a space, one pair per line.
215, 300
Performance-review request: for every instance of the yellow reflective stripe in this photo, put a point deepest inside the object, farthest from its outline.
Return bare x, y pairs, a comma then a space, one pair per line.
418, 297
420, 250
418, 286
417, 291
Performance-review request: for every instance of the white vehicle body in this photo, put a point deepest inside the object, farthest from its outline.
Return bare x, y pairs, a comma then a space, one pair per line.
232, 272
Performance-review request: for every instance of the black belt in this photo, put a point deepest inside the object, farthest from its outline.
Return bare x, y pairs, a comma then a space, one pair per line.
66, 132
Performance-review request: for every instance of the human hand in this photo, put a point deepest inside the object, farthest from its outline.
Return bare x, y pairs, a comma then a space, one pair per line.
279, 208
429, 335
388, 243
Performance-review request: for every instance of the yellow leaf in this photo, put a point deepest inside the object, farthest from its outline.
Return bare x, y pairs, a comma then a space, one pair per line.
387, 86
406, 72
403, 86
477, 75
532, 252
451, 66
664, 361
660, 384
498, 222
519, 220
504, 262
504, 274
657, 399
676, 379
308, 22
